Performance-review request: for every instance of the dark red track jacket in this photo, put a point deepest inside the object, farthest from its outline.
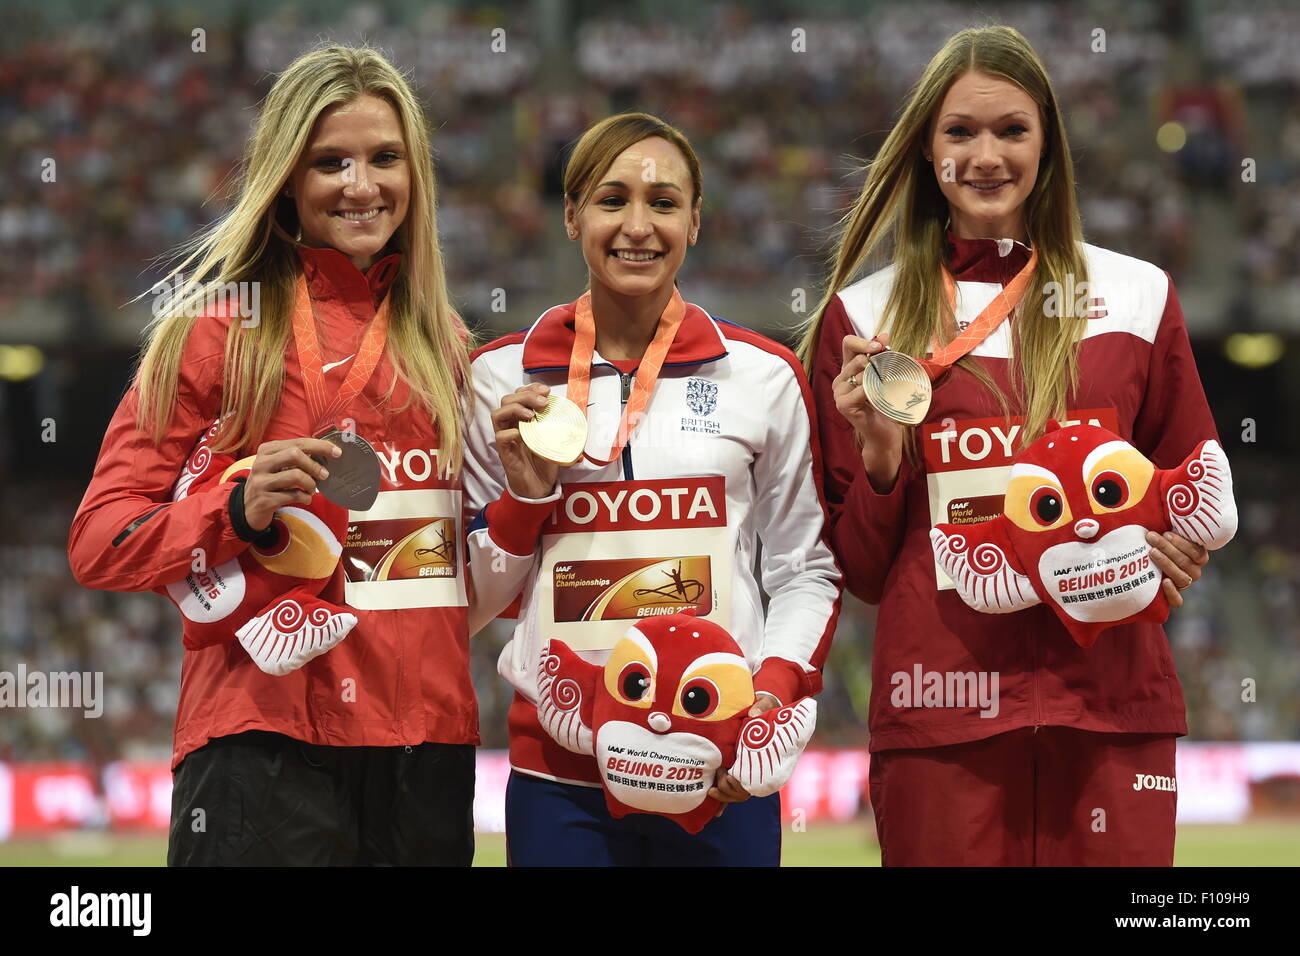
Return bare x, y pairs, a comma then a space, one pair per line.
1136, 365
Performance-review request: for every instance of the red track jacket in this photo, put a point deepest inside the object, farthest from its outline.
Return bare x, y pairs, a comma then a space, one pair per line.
402, 675
1136, 364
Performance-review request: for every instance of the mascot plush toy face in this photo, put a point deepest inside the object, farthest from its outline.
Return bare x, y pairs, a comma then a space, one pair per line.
1072, 533
664, 713
267, 596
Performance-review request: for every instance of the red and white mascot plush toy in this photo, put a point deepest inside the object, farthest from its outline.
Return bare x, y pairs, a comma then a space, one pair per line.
267, 597
1072, 533
664, 713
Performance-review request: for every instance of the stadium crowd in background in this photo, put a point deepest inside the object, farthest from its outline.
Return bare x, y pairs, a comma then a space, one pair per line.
144, 133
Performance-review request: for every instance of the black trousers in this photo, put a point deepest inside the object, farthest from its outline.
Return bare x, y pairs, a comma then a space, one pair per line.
264, 799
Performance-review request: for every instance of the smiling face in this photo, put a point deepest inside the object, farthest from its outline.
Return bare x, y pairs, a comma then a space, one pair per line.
986, 142
352, 184
638, 220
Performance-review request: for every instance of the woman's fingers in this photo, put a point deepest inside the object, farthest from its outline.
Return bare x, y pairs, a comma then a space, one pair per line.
285, 473
857, 353
854, 345
1181, 562
727, 789
526, 474
298, 459
520, 406
1183, 567
510, 413
1180, 578
291, 479
852, 369
1197, 554
277, 454
509, 438
294, 455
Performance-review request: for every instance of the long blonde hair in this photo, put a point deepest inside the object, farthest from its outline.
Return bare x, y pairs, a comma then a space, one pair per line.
426, 343
902, 199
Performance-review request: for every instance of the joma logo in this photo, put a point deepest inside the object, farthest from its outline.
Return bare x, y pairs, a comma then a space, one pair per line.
1146, 781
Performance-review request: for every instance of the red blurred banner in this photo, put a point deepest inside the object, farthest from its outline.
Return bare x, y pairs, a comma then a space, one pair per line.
1217, 783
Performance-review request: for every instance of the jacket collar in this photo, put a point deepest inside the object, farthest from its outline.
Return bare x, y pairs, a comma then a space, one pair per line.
985, 260
549, 342
331, 275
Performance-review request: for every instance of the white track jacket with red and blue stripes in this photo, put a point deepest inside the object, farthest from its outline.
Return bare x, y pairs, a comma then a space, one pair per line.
725, 457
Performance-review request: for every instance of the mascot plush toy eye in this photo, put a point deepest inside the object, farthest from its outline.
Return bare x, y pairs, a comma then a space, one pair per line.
268, 595
1072, 533
664, 713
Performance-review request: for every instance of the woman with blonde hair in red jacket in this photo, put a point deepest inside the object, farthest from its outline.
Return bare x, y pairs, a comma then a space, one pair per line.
317, 304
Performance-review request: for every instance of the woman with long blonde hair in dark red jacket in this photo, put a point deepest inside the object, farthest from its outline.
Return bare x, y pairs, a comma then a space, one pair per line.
360, 752
1036, 764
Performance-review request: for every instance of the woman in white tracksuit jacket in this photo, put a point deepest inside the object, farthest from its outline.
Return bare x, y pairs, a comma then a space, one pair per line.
724, 456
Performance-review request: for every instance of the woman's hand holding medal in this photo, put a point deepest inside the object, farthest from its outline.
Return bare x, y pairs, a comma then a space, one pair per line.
284, 474
529, 475
879, 437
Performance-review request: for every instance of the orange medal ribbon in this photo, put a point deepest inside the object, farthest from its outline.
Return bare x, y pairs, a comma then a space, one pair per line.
943, 357
363, 365
584, 348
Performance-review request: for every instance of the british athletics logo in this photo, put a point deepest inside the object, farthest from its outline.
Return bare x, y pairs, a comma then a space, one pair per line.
702, 399
701, 396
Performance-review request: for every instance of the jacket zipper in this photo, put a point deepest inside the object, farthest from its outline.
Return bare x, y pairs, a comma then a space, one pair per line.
135, 524
625, 392
1038, 700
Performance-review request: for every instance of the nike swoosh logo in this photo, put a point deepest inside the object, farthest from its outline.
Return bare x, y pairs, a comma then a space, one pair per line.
326, 368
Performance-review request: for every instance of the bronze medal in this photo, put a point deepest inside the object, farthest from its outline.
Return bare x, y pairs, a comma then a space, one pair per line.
898, 387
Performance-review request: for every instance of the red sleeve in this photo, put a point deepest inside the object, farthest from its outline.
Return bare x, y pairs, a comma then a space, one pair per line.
127, 534
514, 524
866, 527
786, 680
1174, 416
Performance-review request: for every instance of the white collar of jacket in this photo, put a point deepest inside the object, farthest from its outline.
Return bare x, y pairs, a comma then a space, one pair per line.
549, 342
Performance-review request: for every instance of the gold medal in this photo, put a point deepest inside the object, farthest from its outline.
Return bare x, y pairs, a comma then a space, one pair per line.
557, 433
898, 387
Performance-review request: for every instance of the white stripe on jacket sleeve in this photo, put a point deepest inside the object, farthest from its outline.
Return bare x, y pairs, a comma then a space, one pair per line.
497, 575
798, 569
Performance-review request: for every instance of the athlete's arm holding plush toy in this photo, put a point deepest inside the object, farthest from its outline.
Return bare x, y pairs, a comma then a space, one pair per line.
799, 572
1174, 417
128, 535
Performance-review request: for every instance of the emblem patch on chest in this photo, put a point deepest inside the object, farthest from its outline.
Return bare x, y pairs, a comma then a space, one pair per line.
702, 400
701, 396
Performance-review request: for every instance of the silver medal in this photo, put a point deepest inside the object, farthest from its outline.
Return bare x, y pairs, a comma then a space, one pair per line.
354, 476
